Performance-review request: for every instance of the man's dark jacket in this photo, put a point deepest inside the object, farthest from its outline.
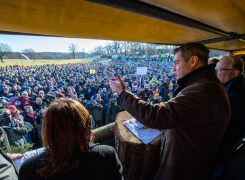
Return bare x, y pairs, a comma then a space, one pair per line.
236, 128
36, 106
146, 94
193, 123
112, 112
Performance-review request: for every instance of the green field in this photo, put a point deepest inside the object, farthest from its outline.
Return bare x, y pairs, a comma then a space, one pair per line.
25, 62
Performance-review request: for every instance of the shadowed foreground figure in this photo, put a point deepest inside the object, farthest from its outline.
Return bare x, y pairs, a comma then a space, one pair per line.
66, 135
193, 122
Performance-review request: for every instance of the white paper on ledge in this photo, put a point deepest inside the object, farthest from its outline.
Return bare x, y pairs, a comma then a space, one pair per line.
26, 156
146, 135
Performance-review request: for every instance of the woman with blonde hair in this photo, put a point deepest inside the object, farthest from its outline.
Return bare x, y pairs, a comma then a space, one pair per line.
69, 154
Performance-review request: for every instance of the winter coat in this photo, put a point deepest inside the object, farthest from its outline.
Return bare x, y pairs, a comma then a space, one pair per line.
39, 107
97, 112
146, 94
112, 112
192, 124
236, 128
15, 132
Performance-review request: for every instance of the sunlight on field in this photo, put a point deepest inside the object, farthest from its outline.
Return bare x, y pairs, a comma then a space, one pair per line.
25, 62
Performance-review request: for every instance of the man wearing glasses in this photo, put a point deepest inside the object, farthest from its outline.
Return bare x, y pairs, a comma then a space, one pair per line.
230, 72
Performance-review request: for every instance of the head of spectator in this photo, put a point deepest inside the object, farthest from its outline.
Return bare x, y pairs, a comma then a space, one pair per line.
39, 101
70, 144
113, 102
43, 111
229, 68
100, 92
98, 97
11, 101
52, 91
3, 110
171, 87
29, 109
16, 95
19, 117
13, 110
213, 61
45, 86
115, 95
80, 88
6, 90
156, 96
74, 97
35, 89
24, 94
24, 86
5, 104
189, 57
93, 101
25, 101
41, 93
14, 88
84, 86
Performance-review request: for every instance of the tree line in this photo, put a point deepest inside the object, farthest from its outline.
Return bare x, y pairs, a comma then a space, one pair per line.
113, 48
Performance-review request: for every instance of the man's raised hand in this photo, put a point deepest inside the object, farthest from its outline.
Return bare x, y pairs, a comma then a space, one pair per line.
117, 86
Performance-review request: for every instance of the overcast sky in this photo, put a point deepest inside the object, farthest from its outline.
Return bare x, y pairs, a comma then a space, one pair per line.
48, 44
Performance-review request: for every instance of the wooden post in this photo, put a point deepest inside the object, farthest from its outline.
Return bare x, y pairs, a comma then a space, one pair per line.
139, 161
103, 132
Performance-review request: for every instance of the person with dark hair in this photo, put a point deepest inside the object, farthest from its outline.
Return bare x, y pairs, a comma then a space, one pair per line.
112, 112
96, 112
213, 61
192, 122
69, 154
31, 117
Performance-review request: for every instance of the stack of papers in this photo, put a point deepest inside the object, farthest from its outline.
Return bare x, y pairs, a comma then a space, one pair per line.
26, 156
146, 135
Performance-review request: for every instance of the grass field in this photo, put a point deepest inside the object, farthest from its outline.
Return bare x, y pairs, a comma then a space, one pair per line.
25, 62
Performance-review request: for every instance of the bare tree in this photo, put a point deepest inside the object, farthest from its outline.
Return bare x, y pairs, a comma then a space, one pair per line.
73, 50
134, 47
98, 50
83, 52
124, 45
116, 46
5, 50
30, 53
108, 48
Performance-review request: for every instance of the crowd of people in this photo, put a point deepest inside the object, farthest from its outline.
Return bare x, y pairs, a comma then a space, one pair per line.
202, 125
28, 91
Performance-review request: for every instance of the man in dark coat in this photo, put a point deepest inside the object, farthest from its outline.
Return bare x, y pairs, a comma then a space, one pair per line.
230, 72
146, 93
112, 112
193, 122
97, 113
14, 130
